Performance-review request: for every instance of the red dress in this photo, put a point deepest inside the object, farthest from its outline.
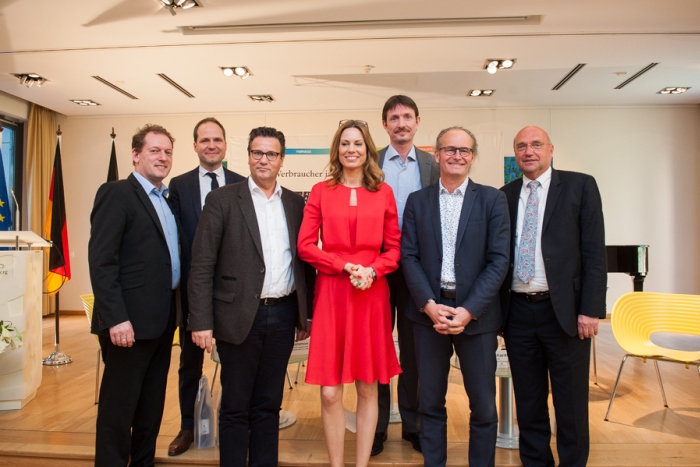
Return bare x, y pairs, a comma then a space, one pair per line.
351, 333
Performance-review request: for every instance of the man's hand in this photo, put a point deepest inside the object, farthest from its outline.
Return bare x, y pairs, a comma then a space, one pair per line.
440, 315
587, 326
122, 334
302, 334
203, 339
459, 321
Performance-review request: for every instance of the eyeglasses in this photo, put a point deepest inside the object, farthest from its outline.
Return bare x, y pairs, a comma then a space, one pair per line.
451, 151
536, 146
271, 155
353, 122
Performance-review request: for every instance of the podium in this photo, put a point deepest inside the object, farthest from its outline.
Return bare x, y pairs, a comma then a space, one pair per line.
21, 273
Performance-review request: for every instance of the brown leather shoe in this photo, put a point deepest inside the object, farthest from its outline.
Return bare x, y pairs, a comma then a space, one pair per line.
181, 443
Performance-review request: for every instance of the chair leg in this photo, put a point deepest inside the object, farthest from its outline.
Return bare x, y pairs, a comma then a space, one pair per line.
296, 378
661, 384
617, 381
213, 380
289, 379
595, 363
97, 376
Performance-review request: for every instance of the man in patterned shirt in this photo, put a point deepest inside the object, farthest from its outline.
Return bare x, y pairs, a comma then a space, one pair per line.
454, 251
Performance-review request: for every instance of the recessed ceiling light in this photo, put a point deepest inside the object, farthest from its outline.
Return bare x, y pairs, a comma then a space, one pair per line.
481, 92
261, 97
492, 65
241, 71
30, 79
674, 90
84, 102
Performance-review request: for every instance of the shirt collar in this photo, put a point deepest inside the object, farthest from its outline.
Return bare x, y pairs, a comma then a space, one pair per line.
149, 187
544, 179
391, 153
461, 189
255, 189
219, 172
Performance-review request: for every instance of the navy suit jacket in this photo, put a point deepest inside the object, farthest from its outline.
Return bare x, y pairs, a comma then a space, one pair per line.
186, 201
481, 253
573, 247
130, 265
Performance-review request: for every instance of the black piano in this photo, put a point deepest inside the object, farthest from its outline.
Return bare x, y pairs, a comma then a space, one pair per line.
630, 259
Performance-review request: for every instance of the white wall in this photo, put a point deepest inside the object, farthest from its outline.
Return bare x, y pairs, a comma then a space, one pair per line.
644, 159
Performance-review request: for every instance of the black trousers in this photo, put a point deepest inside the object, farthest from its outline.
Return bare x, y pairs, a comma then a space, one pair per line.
132, 398
189, 373
539, 352
252, 385
477, 358
407, 389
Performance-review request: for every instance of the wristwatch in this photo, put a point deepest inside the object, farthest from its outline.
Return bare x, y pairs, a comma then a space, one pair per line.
430, 300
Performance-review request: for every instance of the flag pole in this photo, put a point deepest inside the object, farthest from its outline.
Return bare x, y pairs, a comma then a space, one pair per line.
57, 357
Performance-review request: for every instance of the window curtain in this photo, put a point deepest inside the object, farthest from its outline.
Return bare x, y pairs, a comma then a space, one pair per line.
41, 149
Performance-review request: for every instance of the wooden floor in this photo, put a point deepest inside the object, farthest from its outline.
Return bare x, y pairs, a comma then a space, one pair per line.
57, 428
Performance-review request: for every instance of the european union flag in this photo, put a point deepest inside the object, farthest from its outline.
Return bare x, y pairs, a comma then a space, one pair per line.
5, 212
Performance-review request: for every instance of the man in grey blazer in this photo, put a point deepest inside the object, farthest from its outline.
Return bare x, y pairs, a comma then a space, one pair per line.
454, 251
406, 169
250, 291
187, 194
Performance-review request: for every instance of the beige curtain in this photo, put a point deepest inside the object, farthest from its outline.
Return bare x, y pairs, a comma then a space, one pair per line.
41, 149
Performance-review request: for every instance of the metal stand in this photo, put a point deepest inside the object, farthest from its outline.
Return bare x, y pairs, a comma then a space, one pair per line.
57, 357
508, 433
394, 415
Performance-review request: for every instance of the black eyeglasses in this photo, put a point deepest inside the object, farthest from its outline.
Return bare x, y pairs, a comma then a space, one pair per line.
451, 151
353, 122
271, 155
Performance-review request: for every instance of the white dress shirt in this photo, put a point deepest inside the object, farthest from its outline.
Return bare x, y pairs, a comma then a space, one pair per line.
205, 181
274, 234
539, 282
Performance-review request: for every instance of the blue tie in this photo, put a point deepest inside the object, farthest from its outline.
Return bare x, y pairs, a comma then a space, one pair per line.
528, 239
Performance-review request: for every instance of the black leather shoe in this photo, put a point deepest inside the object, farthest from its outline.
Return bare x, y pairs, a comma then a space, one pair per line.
378, 444
412, 438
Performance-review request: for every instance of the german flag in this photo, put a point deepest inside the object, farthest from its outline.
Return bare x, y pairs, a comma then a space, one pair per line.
56, 229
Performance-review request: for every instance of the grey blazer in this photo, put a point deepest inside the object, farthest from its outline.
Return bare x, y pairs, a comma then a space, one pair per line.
228, 269
428, 168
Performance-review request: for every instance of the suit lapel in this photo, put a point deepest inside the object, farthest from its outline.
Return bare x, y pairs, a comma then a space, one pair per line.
248, 211
467, 204
146, 201
424, 167
194, 194
552, 196
512, 195
291, 216
434, 208
382, 155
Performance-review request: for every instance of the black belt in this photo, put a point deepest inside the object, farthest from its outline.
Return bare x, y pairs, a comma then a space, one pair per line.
276, 301
533, 297
449, 293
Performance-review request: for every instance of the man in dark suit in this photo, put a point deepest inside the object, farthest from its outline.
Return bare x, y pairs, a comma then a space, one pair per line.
135, 269
406, 169
249, 290
187, 194
454, 252
552, 298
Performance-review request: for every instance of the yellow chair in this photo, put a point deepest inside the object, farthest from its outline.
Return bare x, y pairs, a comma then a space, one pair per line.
640, 318
88, 304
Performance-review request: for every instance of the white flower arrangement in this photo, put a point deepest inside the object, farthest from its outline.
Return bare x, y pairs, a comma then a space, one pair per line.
9, 336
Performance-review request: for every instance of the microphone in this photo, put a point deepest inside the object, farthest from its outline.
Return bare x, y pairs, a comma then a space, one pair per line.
16, 209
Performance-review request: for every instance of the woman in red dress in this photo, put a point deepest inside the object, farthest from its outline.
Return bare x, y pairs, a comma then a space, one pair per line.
353, 213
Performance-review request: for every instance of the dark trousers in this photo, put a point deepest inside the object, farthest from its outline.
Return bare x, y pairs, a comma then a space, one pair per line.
189, 373
407, 389
252, 385
539, 352
132, 398
477, 358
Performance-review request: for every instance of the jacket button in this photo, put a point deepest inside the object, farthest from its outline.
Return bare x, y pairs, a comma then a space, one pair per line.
257, 296
262, 270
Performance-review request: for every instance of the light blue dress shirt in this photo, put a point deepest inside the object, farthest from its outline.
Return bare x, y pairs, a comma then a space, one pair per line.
404, 179
167, 221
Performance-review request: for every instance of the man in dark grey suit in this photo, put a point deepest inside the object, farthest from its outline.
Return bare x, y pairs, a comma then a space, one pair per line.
552, 298
406, 169
187, 194
135, 262
454, 252
249, 290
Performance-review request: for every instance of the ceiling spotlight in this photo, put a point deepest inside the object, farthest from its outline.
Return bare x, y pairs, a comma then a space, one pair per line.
84, 102
261, 98
171, 5
30, 79
492, 65
241, 71
480, 92
674, 90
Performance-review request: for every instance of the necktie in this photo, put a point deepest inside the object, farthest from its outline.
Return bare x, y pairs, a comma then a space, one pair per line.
528, 238
214, 181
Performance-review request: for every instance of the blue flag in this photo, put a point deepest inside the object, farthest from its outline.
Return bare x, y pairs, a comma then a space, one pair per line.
5, 212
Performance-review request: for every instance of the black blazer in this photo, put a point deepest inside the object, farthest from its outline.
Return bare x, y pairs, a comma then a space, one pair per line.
428, 168
573, 247
186, 201
130, 266
228, 269
481, 253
